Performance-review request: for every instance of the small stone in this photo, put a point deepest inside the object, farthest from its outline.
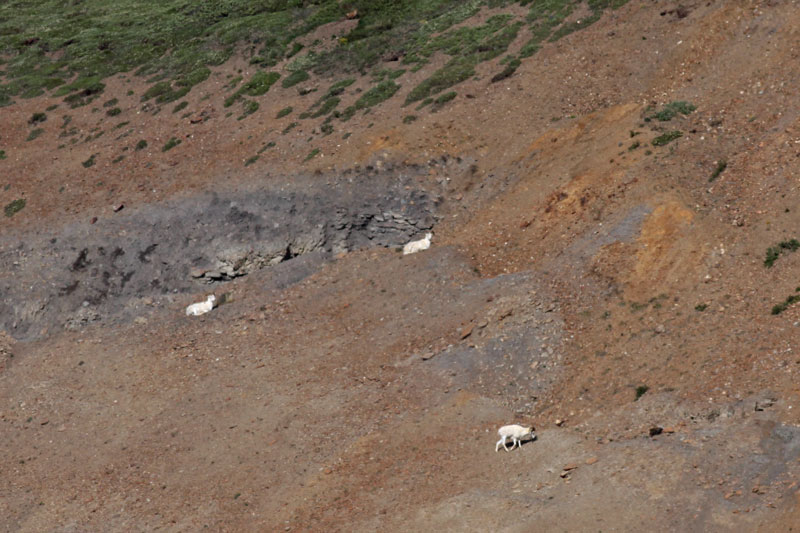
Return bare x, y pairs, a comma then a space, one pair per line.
570, 466
560, 422
669, 430
466, 332
119, 207
660, 328
197, 272
591, 460
564, 474
656, 431
140, 320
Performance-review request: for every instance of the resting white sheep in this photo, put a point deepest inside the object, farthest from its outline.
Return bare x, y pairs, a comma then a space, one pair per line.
202, 307
516, 433
418, 246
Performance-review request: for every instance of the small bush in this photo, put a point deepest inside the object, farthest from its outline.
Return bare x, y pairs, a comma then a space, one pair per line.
266, 147
381, 92
89, 162
773, 252
118, 159
289, 128
114, 111
511, 67
408, 119
180, 106
783, 306
249, 107
111, 103
2, 155
446, 97
37, 118
667, 138
311, 155
294, 78
327, 106
701, 307
171, 143
671, 110
721, 166
141, 145
640, 390
251, 160
283, 112
633, 146
34, 134
12, 208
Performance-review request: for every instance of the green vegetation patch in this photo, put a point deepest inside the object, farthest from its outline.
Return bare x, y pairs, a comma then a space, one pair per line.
641, 390
34, 134
381, 92
14, 207
783, 306
258, 85
37, 118
248, 108
251, 160
312, 154
141, 145
327, 106
298, 76
3, 155
774, 252
722, 164
667, 138
89, 162
171, 143
283, 112
671, 110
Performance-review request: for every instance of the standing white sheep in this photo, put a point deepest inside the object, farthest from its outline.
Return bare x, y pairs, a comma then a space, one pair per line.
418, 246
516, 433
202, 307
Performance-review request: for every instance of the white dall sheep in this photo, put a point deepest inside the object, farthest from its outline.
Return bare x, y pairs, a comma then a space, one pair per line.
202, 307
418, 246
516, 433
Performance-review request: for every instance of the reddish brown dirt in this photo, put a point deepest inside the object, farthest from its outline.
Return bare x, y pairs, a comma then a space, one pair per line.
566, 271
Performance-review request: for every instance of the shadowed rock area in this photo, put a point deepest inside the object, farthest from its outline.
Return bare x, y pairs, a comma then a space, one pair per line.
93, 271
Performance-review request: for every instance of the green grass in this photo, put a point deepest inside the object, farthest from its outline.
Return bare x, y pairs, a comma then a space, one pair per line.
171, 143
289, 128
114, 111
298, 76
327, 106
722, 164
266, 147
251, 160
141, 145
68, 48
3, 155
641, 390
381, 92
671, 110
774, 252
667, 138
89, 162
34, 134
283, 112
408, 119
14, 207
783, 306
258, 85
180, 106
444, 98
248, 108
701, 307
311, 155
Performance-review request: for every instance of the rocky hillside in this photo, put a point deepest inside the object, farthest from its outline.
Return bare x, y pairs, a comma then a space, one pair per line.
612, 190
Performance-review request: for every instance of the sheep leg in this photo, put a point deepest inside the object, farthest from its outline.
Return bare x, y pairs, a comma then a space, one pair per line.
504, 445
497, 446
